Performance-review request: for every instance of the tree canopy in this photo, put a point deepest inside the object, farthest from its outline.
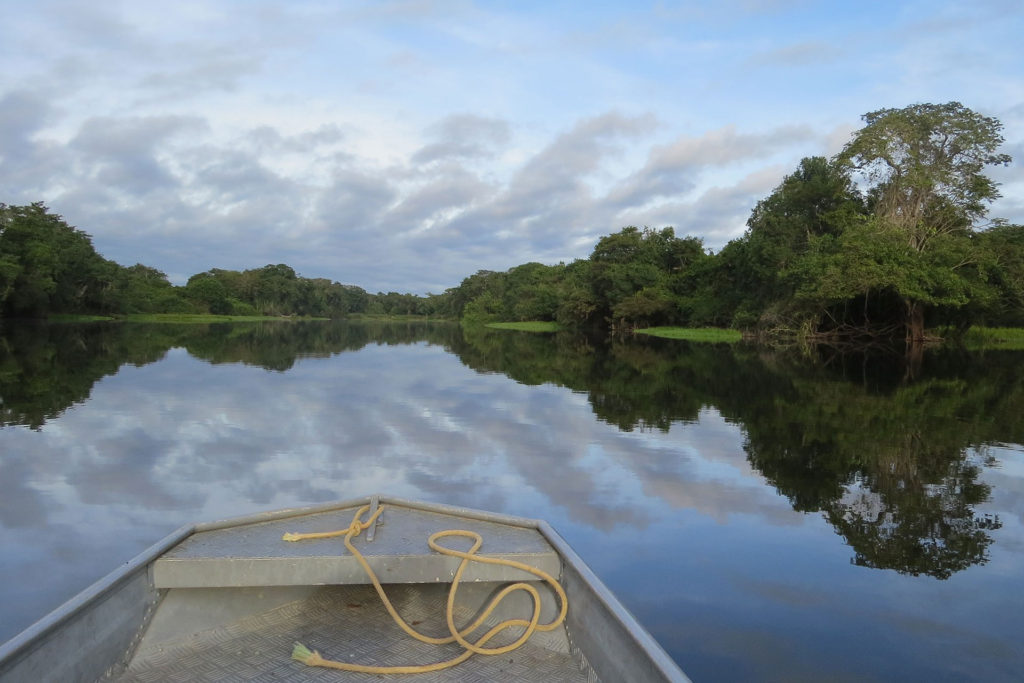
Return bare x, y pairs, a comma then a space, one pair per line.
925, 165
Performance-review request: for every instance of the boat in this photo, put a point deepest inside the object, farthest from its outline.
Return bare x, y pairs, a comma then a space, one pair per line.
307, 594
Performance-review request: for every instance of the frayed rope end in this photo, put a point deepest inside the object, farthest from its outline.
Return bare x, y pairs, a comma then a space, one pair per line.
303, 654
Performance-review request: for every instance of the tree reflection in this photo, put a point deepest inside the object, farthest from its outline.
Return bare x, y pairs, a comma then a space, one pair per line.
45, 369
895, 465
892, 463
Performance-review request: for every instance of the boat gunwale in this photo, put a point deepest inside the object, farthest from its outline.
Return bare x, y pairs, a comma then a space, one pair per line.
665, 665
286, 513
35, 634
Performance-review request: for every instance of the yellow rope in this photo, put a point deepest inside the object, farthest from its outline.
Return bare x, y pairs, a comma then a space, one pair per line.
356, 527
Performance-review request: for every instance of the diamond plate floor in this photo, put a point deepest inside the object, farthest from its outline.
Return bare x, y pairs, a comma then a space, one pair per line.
348, 623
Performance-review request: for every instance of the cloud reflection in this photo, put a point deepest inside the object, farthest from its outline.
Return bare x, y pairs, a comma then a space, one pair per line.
179, 440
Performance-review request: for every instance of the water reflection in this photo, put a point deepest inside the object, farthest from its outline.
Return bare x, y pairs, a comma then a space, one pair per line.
893, 465
710, 462
46, 368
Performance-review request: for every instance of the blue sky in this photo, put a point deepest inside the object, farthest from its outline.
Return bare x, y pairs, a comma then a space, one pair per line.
405, 145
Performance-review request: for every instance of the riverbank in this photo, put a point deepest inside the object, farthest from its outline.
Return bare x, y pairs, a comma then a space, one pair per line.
527, 326
1003, 338
717, 335
976, 338
176, 318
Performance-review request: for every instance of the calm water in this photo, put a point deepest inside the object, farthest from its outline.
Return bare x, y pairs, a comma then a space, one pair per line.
767, 517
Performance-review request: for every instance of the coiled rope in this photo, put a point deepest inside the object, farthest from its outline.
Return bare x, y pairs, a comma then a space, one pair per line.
356, 527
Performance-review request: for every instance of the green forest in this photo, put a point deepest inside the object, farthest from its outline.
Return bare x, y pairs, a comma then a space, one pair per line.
888, 240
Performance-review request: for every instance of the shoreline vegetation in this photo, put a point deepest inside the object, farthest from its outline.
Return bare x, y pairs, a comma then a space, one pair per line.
977, 338
888, 242
527, 326
215, 318
994, 338
175, 318
717, 335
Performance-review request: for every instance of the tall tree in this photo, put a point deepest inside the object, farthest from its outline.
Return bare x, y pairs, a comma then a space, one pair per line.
925, 165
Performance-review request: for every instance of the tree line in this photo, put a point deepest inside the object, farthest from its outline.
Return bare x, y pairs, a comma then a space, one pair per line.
883, 241
888, 238
48, 266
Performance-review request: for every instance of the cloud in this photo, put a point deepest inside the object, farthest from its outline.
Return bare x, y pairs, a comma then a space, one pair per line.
435, 201
230, 177
673, 169
28, 161
465, 136
95, 26
718, 214
22, 114
547, 201
725, 146
555, 177
581, 150
120, 155
355, 202
217, 71
810, 53
113, 137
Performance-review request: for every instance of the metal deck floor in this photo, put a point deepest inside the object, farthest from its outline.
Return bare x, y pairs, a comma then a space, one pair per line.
349, 623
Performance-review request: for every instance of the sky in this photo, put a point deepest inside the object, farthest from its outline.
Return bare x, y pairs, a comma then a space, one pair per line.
402, 146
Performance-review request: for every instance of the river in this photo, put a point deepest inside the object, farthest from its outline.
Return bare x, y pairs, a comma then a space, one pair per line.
767, 515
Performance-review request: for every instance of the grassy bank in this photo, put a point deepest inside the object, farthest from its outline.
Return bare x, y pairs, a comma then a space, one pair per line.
208, 318
173, 318
696, 334
383, 317
1005, 338
211, 318
76, 318
528, 326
